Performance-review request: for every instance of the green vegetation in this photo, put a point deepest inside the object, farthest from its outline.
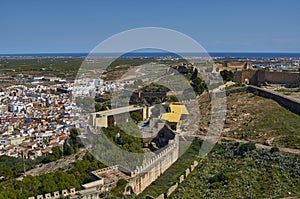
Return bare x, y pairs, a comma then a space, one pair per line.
236, 85
51, 182
227, 75
61, 67
100, 107
289, 91
136, 117
73, 144
245, 148
289, 141
119, 189
155, 111
255, 174
259, 119
198, 85
55, 155
86, 103
231, 170
274, 149
14, 167
131, 143
154, 88
173, 99
120, 145
67, 66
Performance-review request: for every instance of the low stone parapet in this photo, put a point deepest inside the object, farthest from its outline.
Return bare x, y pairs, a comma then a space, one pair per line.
181, 178
171, 189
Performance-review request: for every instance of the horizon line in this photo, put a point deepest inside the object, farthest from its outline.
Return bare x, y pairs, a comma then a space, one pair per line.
137, 52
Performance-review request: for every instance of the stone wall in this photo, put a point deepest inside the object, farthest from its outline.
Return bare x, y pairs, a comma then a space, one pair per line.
282, 78
144, 175
55, 195
171, 189
236, 90
180, 180
285, 101
260, 77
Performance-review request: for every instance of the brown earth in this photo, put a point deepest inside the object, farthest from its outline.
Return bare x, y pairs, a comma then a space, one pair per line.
253, 118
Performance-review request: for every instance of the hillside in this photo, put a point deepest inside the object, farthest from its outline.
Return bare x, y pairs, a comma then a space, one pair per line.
253, 118
230, 171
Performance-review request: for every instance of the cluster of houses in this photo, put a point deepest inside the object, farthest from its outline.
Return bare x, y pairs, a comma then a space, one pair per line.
33, 119
93, 87
38, 116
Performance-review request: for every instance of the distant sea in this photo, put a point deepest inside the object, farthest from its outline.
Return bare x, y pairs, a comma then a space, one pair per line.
165, 54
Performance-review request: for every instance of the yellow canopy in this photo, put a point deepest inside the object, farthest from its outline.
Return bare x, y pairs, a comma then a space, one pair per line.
171, 117
179, 109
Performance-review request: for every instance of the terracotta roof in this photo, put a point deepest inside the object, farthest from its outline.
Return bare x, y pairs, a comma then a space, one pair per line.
28, 144
9, 147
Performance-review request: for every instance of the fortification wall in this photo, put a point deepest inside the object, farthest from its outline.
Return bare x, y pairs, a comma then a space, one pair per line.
144, 175
257, 77
236, 90
56, 195
285, 101
282, 77
172, 188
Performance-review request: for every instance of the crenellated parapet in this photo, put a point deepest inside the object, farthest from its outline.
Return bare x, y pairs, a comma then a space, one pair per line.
152, 168
172, 147
57, 194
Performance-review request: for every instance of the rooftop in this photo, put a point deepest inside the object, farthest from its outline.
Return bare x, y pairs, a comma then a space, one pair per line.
119, 110
110, 174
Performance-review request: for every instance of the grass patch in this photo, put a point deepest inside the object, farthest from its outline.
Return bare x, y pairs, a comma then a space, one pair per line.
236, 85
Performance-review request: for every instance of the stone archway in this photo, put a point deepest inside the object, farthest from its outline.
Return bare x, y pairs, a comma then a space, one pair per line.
129, 189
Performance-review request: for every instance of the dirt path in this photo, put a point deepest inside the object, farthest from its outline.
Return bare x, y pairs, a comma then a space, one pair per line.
132, 74
260, 146
62, 164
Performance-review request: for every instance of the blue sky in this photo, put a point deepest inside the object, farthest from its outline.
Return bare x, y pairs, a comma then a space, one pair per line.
34, 26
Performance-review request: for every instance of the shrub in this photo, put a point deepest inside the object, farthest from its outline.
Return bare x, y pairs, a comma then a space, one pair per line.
246, 147
121, 182
274, 149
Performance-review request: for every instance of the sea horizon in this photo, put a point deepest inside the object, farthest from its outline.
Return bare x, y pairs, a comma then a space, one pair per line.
165, 54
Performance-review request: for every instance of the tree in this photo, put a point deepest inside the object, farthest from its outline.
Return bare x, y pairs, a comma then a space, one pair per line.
194, 74
74, 133
49, 158
246, 147
68, 150
198, 85
56, 152
100, 107
173, 99
7, 172
155, 111
74, 142
136, 117
86, 103
274, 149
227, 75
